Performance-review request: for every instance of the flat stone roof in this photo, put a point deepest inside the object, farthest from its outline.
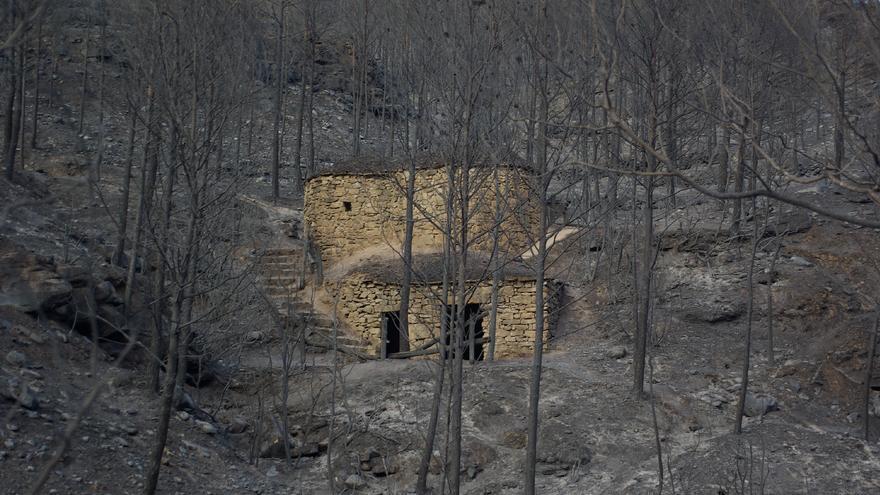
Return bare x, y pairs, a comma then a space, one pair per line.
428, 269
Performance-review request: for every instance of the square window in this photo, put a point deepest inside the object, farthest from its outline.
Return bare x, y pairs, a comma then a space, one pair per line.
346, 205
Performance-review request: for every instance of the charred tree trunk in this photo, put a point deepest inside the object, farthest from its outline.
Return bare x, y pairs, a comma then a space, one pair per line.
13, 107
122, 223
279, 98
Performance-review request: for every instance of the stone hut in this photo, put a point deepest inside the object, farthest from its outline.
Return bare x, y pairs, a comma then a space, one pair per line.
355, 214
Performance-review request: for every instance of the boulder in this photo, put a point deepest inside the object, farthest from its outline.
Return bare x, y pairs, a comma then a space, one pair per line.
382, 466
274, 449
254, 336
19, 392
237, 425
557, 444
713, 310
29, 283
759, 405
800, 261
354, 482
514, 439
106, 293
616, 352
16, 358
788, 222
206, 427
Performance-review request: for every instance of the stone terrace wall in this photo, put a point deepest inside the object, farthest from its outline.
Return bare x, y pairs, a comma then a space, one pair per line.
346, 214
361, 303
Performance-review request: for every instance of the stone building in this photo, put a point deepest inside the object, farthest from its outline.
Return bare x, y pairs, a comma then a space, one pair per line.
355, 214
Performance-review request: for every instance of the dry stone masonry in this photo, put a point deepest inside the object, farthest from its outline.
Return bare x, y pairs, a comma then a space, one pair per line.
351, 212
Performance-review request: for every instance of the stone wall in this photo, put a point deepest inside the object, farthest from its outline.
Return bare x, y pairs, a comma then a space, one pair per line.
346, 214
362, 302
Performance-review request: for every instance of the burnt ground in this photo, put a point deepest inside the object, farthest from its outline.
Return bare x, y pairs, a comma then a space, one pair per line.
595, 438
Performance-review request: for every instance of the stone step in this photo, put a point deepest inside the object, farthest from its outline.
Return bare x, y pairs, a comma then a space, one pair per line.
282, 251
297, 305
282, 292
285, 263
270, 273
281, 284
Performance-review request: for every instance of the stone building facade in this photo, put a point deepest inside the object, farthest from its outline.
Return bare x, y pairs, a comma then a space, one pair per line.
356, 211
349, 209
365, 301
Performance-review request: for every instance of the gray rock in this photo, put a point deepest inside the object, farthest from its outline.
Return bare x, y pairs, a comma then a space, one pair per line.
26, 397
29, 283
16, 358
206, 427
472, 472
310, 449
759, 405
616, 352
34, 336
799, 261
238, 425
354, 482
105, 292
712, 310
382, 466
274, 449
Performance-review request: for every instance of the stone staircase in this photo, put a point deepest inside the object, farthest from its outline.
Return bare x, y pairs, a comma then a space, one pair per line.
281, 272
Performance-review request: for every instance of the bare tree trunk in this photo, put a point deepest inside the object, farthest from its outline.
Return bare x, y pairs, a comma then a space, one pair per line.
99, 160
279, 98
166, 401
543, 178
723, 159
311, 101
13, 116
22, 99
454, 467
85, 79
496, 266
739, 179
744, 387
119, 252
408, 239
160, 304
297, 152
869, 375
445, 320
771, 351
644, 290
37, 64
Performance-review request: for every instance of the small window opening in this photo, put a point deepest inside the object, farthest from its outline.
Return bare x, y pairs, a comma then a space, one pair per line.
346, 205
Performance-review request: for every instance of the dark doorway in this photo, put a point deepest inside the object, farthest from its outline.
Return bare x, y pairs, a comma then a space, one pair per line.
473, 332
392, 338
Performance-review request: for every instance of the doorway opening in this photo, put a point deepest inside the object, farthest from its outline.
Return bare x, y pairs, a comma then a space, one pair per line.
472, 344
393, 339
